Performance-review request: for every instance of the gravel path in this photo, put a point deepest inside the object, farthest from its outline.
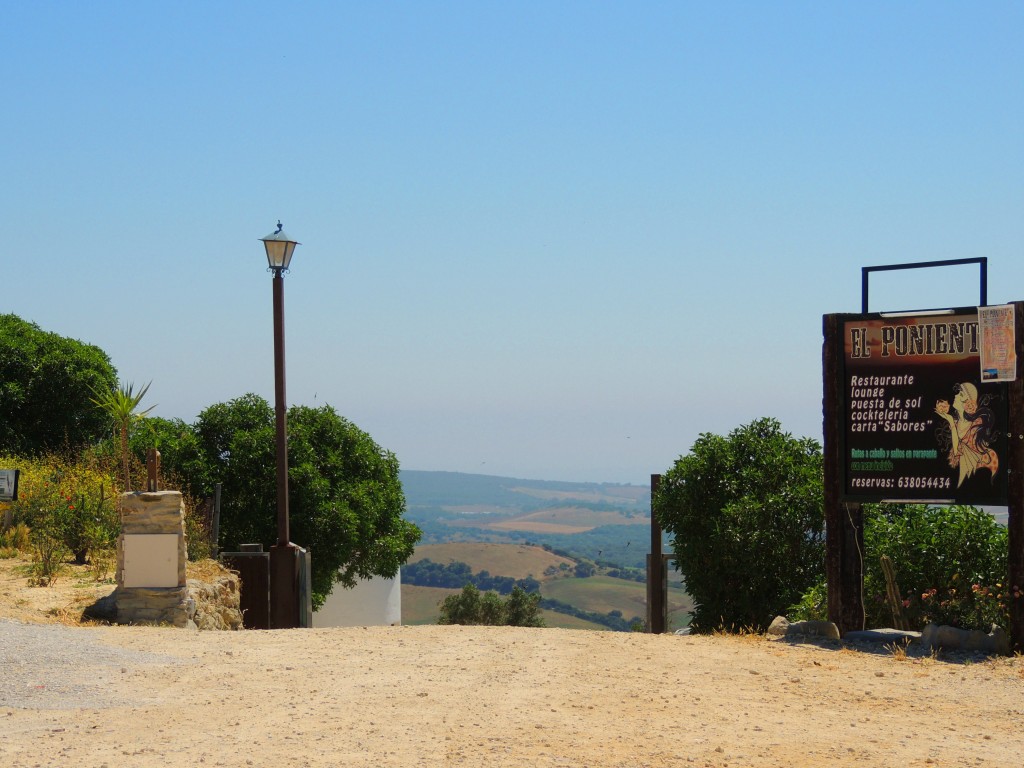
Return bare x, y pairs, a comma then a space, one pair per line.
501, 697
50, 666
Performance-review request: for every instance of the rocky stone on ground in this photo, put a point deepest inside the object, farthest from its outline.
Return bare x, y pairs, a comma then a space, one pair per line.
953, 639
781, 626
216, 602
210, 601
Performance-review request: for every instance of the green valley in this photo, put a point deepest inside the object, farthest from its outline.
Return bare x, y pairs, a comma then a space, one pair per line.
568, 541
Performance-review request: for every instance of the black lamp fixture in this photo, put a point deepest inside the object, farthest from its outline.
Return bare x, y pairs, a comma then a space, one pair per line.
280, 248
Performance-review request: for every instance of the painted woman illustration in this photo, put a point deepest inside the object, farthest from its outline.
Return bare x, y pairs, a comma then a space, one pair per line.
971, 430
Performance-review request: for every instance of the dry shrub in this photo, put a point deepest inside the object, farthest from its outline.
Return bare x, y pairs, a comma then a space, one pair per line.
102, 563
898, 651
745, 632
49, 558
197, 529
16, 538
206, 570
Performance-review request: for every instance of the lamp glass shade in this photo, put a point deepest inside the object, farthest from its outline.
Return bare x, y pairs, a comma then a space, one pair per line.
279, 249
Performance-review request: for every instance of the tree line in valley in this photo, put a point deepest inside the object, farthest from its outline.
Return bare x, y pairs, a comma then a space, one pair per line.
455, 575
458, 575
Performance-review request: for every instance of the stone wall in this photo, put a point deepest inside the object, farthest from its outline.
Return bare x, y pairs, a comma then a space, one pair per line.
149, 513
216, 602
207, 603
145, 513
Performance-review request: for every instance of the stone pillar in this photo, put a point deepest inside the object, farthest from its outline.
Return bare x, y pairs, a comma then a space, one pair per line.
151, 556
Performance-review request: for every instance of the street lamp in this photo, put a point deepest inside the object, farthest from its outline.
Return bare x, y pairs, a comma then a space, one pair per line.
284, 563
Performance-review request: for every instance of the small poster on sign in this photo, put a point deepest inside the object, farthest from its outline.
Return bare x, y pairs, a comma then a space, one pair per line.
998, 346
9, 484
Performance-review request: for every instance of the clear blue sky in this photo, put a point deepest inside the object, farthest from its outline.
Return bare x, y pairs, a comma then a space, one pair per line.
553, 240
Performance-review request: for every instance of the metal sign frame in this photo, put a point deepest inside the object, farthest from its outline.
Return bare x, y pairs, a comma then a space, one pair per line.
981, 261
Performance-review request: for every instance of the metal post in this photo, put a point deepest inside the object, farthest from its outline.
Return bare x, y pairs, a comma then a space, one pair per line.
284, 574
152, 470
656, 597
215, 522
844, 523
280, 411
1015, 479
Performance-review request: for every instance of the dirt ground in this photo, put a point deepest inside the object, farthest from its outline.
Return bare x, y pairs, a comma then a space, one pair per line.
479, 696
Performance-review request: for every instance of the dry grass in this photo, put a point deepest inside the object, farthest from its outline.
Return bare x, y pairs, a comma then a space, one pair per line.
71, 615
514, 560
898, 650
205, 570
82, 585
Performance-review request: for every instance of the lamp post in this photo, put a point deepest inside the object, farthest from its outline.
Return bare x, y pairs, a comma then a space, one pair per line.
284, 566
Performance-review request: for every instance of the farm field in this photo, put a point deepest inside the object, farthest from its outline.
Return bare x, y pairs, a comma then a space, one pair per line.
566, 520
608, 494
603, 594
556, 620
515, 560
419, 604
598, 593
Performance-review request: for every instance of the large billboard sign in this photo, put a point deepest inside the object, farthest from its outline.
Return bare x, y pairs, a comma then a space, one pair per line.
923, 420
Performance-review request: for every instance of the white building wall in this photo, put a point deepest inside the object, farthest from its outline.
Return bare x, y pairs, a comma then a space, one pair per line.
370, 603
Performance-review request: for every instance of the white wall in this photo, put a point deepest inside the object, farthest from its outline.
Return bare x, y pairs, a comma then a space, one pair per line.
375, 602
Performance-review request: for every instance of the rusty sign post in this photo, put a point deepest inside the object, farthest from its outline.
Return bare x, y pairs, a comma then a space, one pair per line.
152, 470
657, 598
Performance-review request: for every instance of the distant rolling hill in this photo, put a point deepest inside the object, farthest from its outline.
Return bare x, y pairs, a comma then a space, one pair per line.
464, 492
516, 528
515, 560
598, 521
596, 594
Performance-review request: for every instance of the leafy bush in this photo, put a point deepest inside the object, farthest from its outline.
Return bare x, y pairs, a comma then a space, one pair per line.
584, 570
747, 520
950, 563
813, 605
471, 606
120, 404
65, 500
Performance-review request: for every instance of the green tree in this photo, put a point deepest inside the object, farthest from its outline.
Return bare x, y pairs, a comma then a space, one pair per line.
120, 404
521, 609
463, 608
46, 385
584, 570
746, 517
345, 499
